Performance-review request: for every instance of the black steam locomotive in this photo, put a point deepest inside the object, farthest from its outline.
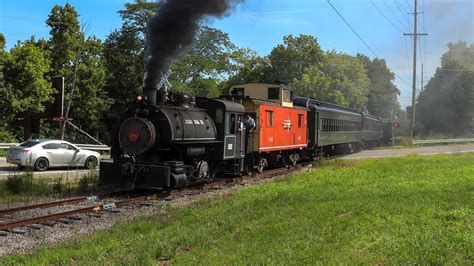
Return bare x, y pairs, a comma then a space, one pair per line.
168, 141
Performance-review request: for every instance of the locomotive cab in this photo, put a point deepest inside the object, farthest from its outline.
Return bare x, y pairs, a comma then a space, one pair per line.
227, 116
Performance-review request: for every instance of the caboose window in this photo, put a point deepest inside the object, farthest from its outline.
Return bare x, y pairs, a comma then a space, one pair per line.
287, 95
237, 92
269, 115
273, 93
300, 120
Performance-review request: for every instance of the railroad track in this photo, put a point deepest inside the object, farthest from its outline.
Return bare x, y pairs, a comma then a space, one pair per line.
72, 215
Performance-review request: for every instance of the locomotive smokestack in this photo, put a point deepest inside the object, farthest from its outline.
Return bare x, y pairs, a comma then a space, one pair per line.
171, 30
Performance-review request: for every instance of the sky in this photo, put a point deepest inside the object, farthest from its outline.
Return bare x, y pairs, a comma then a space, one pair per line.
261, 25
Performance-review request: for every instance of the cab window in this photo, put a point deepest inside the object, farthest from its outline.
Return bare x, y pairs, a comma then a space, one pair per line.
231, 124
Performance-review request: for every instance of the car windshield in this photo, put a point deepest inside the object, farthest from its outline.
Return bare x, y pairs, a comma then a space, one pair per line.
29, 143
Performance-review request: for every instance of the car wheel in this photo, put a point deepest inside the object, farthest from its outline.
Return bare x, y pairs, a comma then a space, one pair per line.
41, 164
91, 162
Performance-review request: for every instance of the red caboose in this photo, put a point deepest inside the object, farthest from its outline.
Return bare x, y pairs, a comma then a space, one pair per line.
281, 130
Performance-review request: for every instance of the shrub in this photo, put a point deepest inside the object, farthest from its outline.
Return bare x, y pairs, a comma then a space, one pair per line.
20, 183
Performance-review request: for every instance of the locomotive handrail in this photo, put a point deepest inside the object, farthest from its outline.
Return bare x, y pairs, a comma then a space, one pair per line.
4, 146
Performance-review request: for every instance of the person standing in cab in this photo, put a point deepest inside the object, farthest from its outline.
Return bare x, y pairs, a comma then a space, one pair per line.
249, 123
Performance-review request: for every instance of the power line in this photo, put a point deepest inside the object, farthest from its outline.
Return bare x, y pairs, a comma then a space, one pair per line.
409, 7
353, 30
403, 12
393, 13
406, 51
380, 11
360, 38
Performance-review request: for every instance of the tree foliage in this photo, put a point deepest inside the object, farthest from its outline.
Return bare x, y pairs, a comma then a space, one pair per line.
65, 38
290, 59
27, 74
339, 78
446, 105
382, 97
79, 59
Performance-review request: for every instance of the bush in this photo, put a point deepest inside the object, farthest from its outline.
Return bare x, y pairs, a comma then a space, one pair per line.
20, 183
88, 182
58, 186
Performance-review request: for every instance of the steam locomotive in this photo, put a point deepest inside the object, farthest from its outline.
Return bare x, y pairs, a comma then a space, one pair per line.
169, 140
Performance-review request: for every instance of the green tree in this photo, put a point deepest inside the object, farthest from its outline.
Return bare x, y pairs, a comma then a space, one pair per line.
446, 105
124, 55
135, 16
91, 101
339, 78
290, 59
27, 73
249, 67
207, 62
79, 60
382, 98
6, 97
65, 40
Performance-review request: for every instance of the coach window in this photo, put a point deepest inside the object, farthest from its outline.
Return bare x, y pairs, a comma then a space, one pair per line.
269, 115
273, 93
300, 120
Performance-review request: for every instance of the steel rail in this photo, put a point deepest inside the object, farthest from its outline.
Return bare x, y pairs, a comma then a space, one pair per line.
101, 207
59, 215
43, 205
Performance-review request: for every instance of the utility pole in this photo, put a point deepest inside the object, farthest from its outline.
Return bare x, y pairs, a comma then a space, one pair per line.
415, 35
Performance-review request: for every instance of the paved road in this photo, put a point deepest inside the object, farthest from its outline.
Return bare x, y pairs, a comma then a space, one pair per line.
378, 153
8, 169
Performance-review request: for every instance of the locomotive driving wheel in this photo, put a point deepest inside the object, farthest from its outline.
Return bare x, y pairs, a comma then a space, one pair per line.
203, 170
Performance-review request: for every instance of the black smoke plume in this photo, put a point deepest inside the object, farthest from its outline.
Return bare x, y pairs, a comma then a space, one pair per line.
173, 28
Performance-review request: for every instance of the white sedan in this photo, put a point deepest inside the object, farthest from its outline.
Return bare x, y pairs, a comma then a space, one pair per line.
44, 154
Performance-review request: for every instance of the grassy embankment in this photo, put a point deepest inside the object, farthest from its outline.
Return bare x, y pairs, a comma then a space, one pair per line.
385, 211
23, 187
